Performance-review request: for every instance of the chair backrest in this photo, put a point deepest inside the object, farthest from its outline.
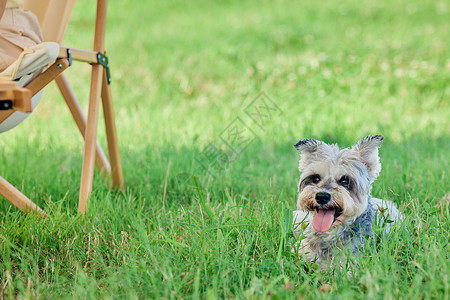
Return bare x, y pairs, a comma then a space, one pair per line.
53, 16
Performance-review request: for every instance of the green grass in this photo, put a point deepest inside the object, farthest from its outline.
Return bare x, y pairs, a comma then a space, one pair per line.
182, 72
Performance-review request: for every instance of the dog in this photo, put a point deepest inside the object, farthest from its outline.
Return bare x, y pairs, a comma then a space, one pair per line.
335, 209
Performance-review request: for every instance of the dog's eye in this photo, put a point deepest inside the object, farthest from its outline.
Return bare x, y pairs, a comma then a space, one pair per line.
315, 178
344, 181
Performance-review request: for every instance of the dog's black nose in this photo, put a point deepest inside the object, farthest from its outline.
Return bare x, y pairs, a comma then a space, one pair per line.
323, 198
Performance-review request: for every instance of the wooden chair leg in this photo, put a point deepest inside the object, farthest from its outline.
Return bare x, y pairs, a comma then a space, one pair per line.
14, 196
100, 158
111, 134
87, 172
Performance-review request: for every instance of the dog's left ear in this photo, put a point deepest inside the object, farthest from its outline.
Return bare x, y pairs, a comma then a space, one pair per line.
367, 149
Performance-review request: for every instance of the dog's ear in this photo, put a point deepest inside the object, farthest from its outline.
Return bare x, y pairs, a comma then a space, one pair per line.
307, 145
367, 148
310, 150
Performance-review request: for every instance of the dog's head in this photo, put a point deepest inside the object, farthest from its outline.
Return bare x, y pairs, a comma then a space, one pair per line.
334, 183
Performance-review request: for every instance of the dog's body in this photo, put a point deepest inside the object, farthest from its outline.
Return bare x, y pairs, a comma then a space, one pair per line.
334, 202
320, 245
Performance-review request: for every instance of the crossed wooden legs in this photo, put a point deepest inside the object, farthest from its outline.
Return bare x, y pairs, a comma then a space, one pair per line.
100, 88
88, 128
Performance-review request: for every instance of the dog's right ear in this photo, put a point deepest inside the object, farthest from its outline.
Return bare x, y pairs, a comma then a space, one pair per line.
310, 150
307, 145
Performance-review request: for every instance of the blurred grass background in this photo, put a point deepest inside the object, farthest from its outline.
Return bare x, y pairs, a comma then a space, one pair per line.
182, 72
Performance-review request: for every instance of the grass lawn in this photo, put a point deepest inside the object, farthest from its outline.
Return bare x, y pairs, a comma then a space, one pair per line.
185, 75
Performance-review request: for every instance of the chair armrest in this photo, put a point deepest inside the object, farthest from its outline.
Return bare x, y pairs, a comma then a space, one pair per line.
14, 97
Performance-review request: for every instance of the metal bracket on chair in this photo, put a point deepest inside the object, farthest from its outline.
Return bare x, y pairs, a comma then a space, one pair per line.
5, 104
103, 60
69, 56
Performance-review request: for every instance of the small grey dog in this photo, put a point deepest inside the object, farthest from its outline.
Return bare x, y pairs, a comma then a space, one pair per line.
334, 202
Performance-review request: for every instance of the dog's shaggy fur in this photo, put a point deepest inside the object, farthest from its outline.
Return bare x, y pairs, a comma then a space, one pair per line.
334, 199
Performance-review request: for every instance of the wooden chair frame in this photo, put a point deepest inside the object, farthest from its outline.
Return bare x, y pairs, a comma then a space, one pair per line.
99, 88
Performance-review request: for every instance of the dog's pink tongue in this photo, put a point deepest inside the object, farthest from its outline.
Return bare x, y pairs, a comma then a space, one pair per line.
323, 219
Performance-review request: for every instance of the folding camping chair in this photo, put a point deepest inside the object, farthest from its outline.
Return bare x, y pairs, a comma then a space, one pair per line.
53, 16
